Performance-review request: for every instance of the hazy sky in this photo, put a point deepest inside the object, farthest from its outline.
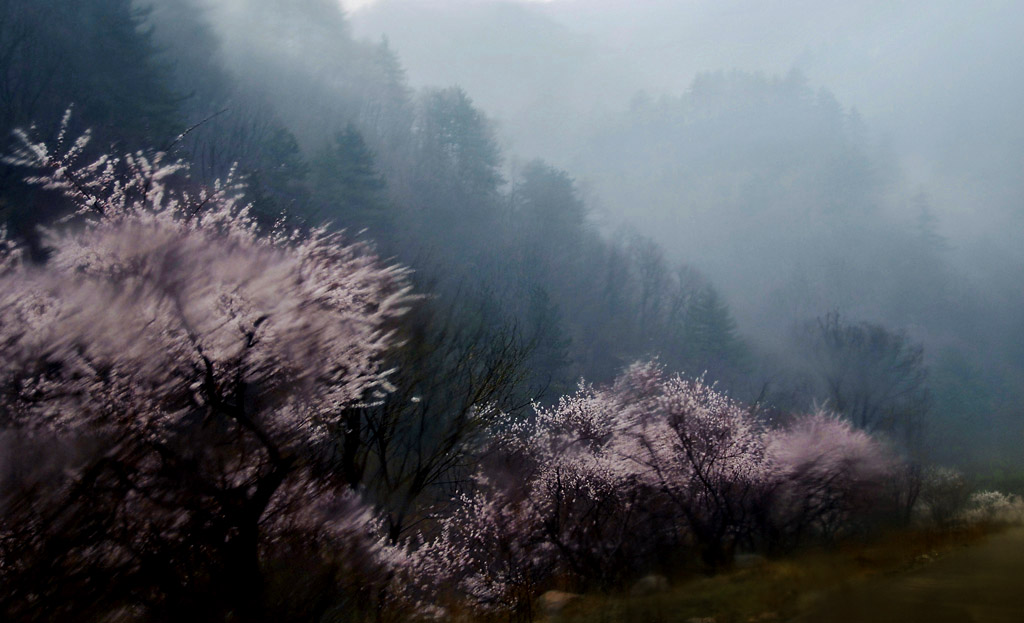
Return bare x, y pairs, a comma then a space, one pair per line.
943, 80
354, 5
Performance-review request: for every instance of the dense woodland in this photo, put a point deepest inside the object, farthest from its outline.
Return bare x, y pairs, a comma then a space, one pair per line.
283, 338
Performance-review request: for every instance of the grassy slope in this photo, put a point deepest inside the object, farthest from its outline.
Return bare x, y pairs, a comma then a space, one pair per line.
775, 590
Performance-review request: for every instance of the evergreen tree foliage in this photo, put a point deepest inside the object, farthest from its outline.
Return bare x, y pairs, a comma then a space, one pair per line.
192, 51
547, 201
385, 111
348, 187
458, 158
711, 342
95, 55
276, 182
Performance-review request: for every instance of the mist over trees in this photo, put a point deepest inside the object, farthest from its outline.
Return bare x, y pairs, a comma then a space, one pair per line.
272, 302
803, 171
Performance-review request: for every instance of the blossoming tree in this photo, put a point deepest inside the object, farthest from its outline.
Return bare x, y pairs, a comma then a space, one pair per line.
204, 365
614, 482
823, 472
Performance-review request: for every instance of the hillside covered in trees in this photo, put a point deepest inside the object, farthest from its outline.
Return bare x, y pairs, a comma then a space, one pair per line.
283, 337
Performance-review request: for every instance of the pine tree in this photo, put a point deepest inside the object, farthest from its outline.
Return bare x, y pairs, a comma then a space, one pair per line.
276, 175
97, 56
458, 159
347, 185
712, 343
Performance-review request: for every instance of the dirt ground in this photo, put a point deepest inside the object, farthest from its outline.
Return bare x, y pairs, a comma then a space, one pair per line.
980, 583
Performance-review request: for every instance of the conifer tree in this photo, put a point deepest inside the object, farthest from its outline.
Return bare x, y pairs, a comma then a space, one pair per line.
347, 185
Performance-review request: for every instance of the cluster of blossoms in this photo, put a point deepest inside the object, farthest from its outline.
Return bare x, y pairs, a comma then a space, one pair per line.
209, 362
213, 366
164, 302
611, 482
993, 507
947, 500
823, 471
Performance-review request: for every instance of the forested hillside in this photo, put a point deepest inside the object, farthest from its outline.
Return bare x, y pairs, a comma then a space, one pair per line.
285, 338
